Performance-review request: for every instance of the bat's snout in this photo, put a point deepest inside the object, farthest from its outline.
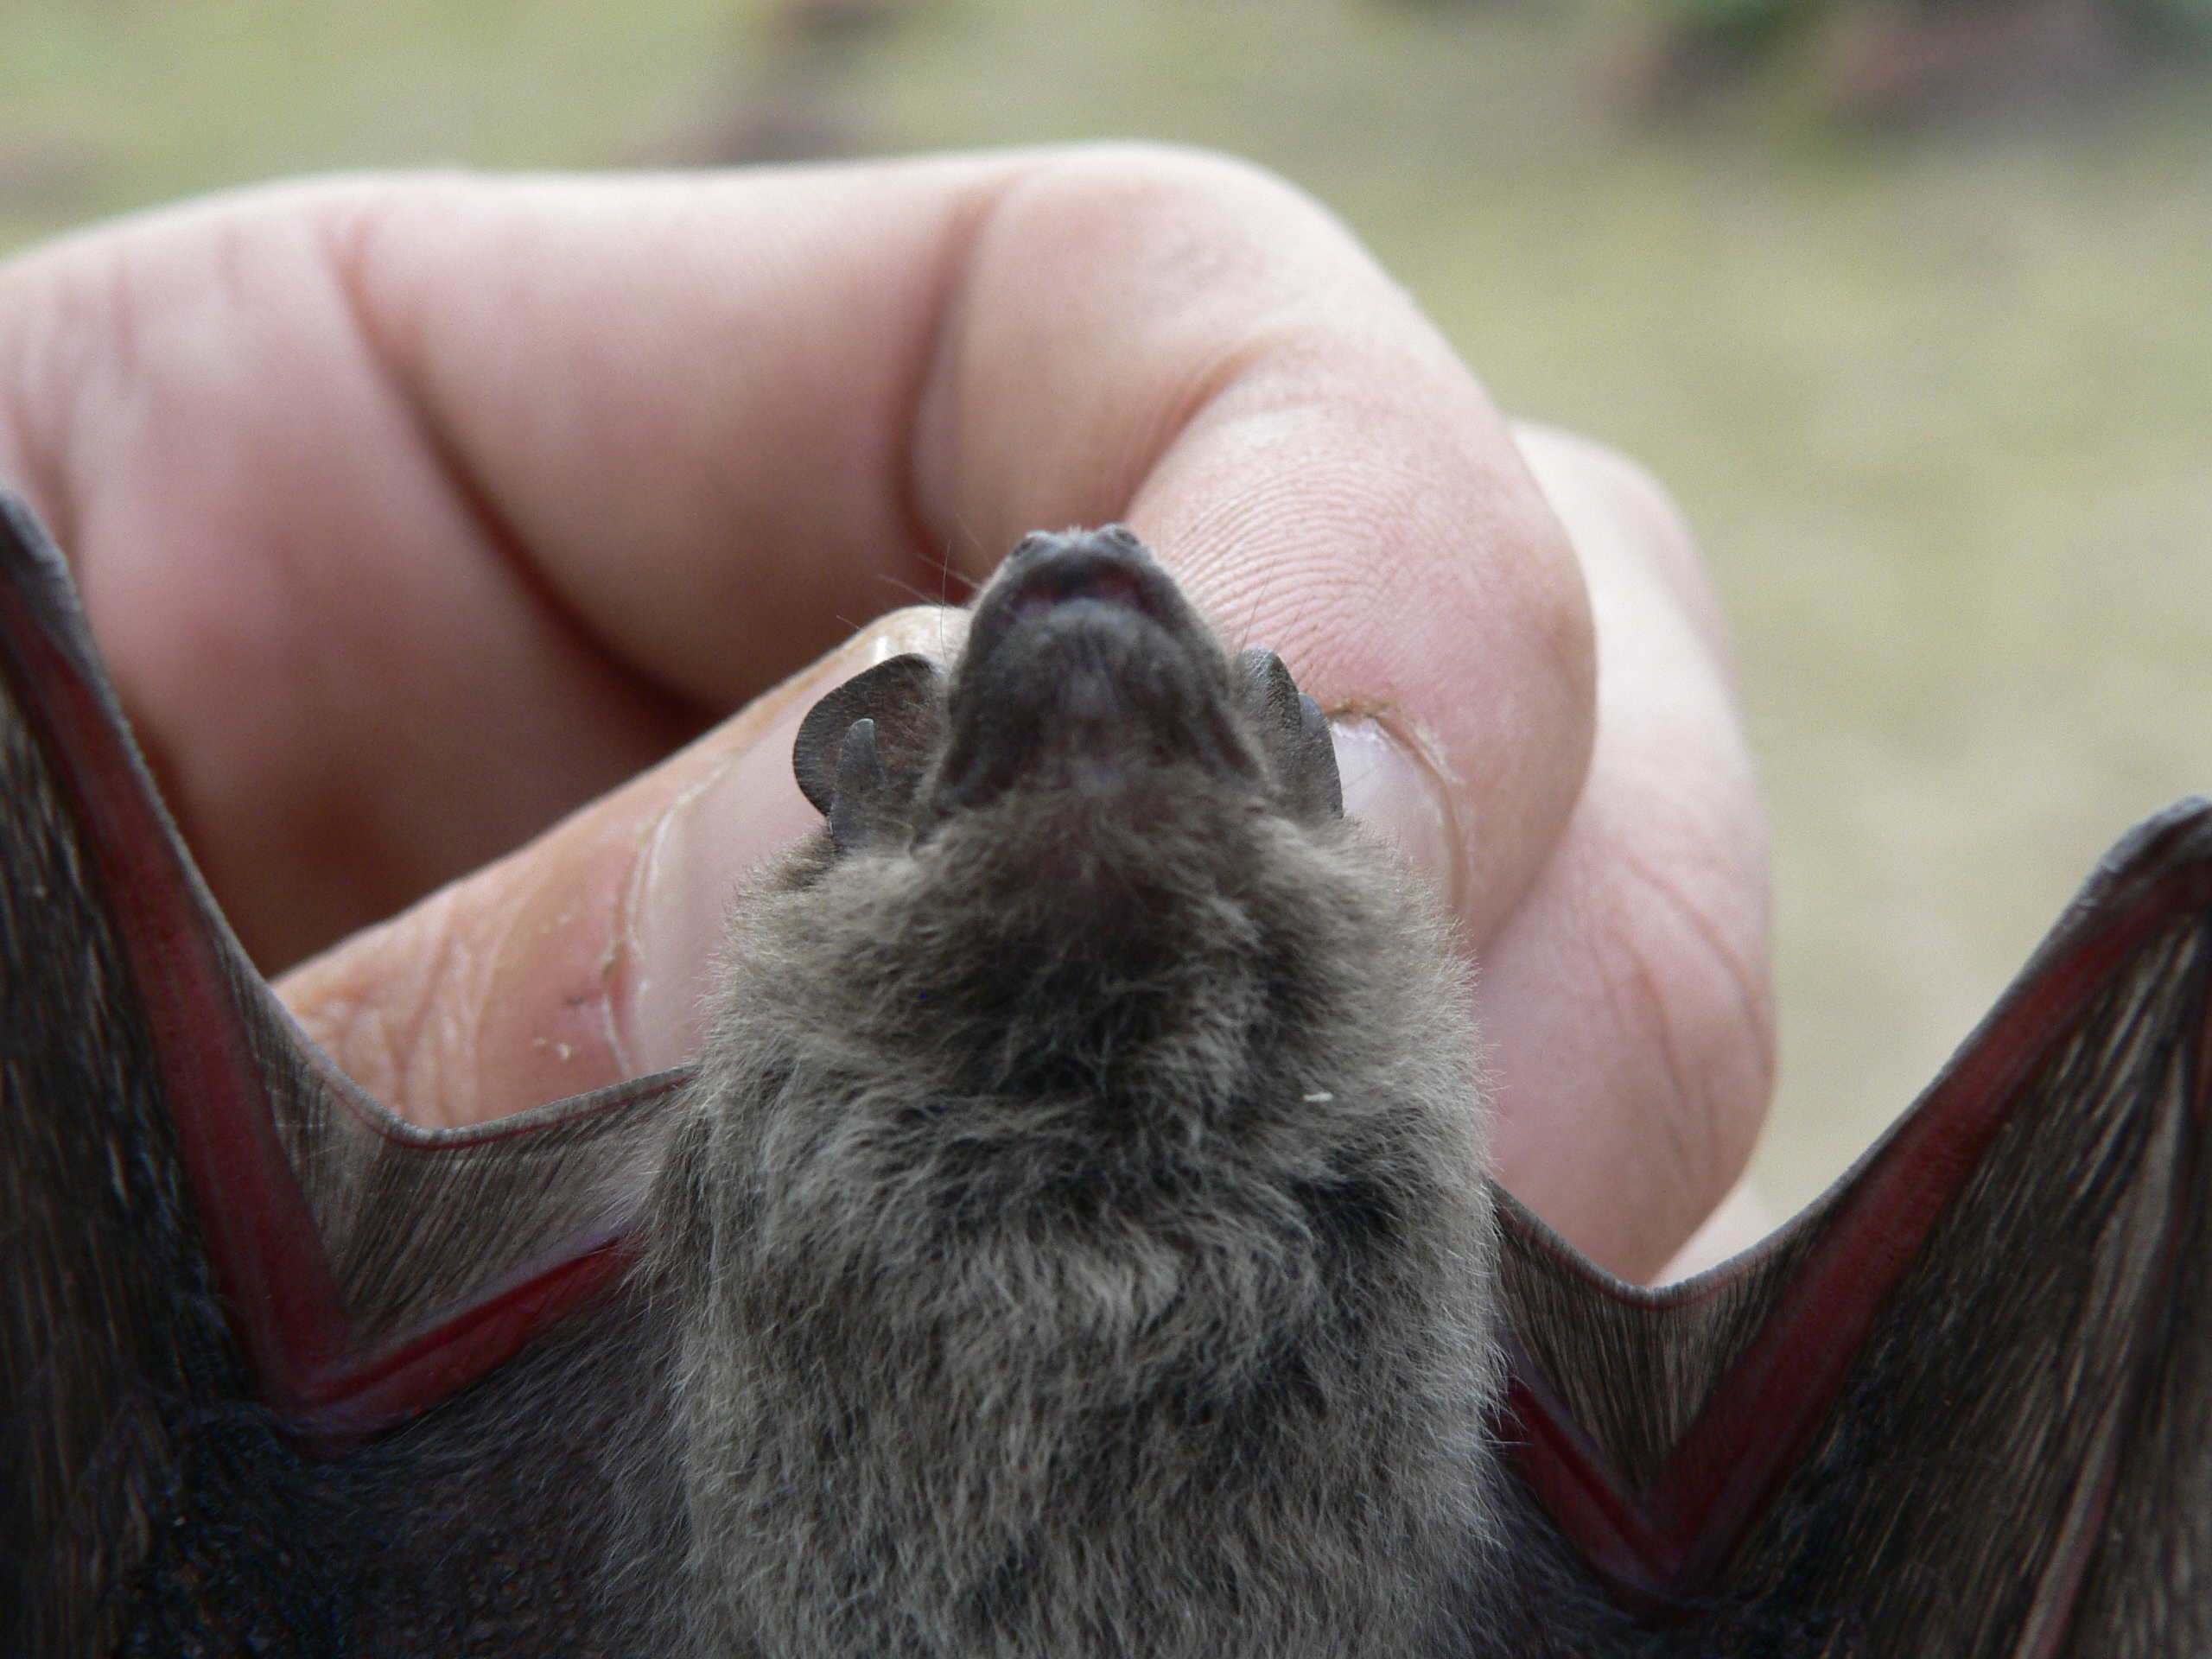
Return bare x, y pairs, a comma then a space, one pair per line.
1088, 671
1090, 683
1106, 567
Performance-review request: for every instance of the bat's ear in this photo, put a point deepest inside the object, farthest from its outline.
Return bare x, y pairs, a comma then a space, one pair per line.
900, 703
1295, 736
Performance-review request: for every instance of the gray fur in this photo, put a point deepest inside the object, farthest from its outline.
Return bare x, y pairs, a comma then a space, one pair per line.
1078, 1226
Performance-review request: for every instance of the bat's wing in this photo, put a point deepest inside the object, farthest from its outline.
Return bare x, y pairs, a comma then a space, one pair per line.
196, 1208
1962, 1406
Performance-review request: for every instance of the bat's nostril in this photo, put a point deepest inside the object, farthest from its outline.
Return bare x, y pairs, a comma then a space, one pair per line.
1094, 568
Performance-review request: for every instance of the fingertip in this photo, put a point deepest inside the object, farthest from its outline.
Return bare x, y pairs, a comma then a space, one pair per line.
674, 909
698, 852
1394, 791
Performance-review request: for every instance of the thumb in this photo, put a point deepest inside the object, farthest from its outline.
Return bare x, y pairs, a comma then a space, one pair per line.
585, 957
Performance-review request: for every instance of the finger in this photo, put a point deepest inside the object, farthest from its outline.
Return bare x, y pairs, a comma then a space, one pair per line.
1738, 1222
1627, 1002
349, 689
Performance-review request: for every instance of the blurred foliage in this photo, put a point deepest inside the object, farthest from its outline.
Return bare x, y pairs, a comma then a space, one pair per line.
1908, 60
1938, 397
1755, 20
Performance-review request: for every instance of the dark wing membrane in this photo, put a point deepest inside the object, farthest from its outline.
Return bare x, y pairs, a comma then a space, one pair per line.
197, 1208
109, 1321
1959, 1406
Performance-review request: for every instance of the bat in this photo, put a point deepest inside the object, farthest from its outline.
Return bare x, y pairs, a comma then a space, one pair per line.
1073, 1241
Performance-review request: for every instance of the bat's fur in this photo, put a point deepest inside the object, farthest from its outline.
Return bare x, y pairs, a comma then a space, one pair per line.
1079, 1225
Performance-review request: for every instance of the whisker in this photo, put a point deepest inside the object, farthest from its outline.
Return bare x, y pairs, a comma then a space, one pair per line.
920, 596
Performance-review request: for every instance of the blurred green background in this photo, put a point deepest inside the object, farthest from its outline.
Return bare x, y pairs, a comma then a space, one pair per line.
1934, 387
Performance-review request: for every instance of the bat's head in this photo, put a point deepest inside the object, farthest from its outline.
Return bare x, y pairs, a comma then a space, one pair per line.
1096, 836
1092, 721
1099, 869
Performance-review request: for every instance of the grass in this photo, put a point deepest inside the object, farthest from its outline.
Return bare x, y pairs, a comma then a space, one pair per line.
1941, 406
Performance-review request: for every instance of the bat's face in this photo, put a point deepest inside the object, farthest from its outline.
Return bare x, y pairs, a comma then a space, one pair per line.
1099, 843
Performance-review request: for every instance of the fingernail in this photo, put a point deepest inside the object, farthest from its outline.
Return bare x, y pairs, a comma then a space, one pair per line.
1397, 794
700, 853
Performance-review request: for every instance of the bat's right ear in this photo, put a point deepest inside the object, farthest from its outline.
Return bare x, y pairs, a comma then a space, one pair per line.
1295, 736
905, 698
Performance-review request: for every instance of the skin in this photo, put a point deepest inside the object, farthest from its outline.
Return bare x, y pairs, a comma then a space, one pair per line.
465, 551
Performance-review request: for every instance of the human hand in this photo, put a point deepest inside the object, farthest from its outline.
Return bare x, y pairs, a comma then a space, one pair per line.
415, 516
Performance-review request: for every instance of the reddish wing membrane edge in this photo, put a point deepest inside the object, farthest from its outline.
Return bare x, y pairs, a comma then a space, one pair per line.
284, 1305
1661, 1547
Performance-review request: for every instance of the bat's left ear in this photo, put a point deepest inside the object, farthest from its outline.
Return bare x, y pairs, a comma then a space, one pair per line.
903, 702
